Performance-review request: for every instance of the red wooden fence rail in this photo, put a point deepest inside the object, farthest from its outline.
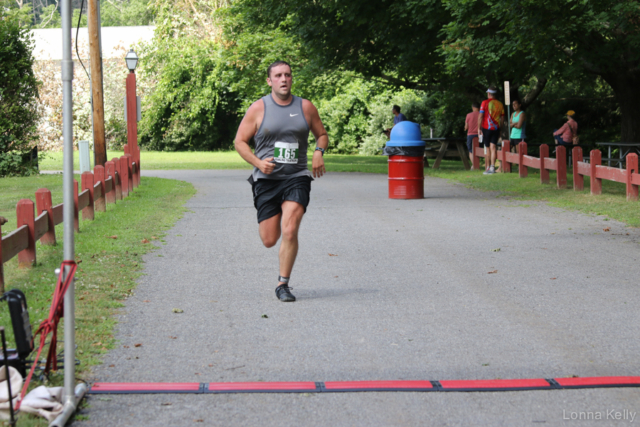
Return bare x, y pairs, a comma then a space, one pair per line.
597, 172
524, 161
103, 186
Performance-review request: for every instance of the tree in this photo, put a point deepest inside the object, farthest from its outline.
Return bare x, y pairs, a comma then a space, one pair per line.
600, 38
460, 46
18, 93
403, 43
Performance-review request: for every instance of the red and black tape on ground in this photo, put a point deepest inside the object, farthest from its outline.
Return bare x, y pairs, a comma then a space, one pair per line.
354, 386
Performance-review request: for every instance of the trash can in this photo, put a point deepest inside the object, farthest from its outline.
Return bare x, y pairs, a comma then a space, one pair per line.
406, 165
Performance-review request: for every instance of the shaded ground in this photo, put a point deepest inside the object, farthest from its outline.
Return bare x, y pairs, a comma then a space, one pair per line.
407, 295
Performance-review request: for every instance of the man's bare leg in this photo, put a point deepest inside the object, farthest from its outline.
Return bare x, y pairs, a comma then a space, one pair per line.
292, 213
269, 230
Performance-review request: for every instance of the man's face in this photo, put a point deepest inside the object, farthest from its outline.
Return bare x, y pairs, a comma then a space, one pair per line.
280, 81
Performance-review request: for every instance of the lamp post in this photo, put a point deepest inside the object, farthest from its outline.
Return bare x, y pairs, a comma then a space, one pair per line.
132, 112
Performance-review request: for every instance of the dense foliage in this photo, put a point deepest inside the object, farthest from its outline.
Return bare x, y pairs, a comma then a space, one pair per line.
432, 57
18, 95
356, 59
113, 13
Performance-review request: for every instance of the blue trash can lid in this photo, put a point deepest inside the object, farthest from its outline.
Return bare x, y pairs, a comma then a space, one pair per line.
406, 134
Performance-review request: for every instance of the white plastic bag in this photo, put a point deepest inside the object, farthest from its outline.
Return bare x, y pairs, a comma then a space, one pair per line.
16, 388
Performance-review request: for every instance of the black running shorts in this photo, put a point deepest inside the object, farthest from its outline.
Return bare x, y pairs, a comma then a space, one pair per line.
269, 194
490, 136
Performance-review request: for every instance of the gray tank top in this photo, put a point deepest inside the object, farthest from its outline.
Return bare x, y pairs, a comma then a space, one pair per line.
283, 135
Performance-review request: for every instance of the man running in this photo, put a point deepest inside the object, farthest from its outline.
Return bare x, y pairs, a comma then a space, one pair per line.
280, 123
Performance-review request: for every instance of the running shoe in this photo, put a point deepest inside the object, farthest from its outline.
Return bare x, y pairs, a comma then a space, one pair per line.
284, 294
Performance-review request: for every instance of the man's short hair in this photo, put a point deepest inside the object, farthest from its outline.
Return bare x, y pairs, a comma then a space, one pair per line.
396, 108
493, 88
475, 104
275, 64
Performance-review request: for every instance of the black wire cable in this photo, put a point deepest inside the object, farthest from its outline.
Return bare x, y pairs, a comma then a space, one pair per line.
77, 31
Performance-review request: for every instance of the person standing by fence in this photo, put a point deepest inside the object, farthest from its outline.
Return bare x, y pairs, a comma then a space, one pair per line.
518, 124
568, 132
490, 119
471, 126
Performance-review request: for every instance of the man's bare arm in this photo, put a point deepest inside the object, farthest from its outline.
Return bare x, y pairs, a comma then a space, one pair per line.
247, 130
319, 133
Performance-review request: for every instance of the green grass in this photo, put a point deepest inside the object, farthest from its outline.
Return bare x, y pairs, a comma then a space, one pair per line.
611, 203
152, 160
108, 267
14, 189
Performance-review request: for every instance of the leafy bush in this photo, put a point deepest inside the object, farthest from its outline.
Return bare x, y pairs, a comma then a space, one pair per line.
18, 94
190, 107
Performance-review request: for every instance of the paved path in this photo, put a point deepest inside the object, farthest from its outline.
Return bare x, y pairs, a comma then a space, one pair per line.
406, 294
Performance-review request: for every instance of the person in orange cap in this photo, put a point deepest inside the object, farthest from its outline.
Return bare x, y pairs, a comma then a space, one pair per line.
566, 134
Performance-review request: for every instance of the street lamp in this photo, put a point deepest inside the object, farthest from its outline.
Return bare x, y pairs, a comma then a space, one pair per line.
131, 60
131, 104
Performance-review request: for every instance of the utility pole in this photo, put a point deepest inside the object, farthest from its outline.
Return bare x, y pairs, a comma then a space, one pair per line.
99, 142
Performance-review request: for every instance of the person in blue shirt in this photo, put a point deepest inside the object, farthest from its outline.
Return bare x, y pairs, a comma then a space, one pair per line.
399, 117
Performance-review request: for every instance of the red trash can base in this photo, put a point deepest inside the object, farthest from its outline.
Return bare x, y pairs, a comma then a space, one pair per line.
406, 177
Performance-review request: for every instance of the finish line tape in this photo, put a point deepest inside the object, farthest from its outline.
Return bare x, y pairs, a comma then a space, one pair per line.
358, 386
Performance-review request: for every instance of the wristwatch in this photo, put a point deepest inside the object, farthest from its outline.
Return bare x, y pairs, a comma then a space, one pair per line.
321, 150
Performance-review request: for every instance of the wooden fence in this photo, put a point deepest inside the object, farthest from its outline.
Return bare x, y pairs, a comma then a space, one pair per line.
105, 185
594, 169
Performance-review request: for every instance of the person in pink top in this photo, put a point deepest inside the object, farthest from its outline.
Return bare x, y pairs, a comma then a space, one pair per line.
471, 126
565, 135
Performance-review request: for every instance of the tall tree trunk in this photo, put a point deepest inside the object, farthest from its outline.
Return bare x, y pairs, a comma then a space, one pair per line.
626, 87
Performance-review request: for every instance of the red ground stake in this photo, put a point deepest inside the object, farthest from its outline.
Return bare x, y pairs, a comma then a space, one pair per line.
25, 215
110, 172
124, 174
44, 203
522, 151
561, 157
98, 175
632, 167
87, 184
544, 173
578, 180
596, 183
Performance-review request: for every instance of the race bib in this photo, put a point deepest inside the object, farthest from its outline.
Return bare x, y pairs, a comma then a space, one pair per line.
286, 152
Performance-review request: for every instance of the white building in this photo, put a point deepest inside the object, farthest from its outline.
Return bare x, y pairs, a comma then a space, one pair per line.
48, 41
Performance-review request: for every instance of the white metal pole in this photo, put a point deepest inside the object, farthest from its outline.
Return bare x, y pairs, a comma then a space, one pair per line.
71, 394
69, 249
